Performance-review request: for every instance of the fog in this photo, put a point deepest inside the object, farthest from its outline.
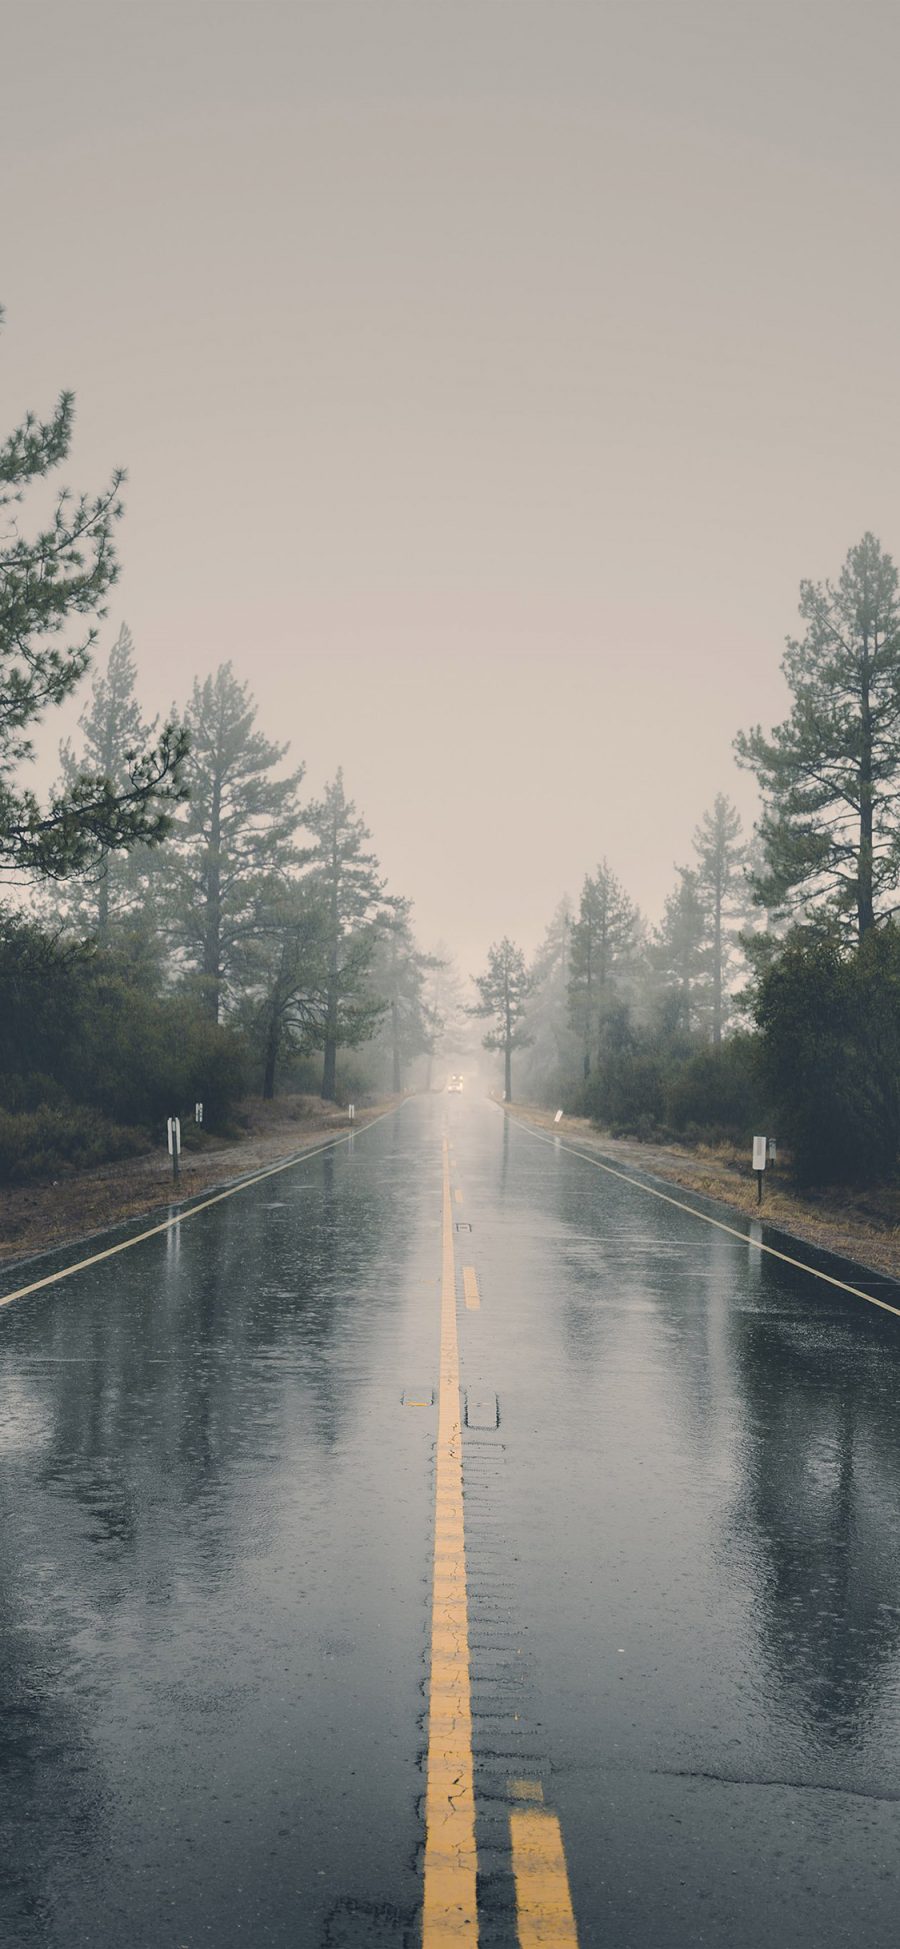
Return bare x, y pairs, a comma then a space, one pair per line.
488, 377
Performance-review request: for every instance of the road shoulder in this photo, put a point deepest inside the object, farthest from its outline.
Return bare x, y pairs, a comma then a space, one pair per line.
38, 1218
831, 1221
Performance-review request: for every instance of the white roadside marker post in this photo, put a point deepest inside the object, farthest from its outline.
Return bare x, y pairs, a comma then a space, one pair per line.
759, 1164
558, 1117
173, 1131
198, 1113
351, 1112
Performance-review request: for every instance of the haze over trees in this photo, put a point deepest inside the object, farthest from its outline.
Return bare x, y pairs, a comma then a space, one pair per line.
236, 840
205, 927
718, 1029
113, 731
604, 937
209, 932
355, 902
503, 991
721, 884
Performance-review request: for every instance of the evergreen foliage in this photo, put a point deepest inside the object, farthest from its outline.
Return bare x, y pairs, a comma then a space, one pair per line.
553, 1065
94, 1055
829, 1016
289, 998
51, 583
604, 940
113, 732
236, 841
721, 858
398, 978
356, 907
680, 954
444, 1010
503, 992
829, 774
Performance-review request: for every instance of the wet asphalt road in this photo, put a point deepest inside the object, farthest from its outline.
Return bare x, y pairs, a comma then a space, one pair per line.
215, 1565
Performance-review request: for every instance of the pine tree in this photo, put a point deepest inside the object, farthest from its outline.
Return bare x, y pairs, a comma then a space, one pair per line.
113, 731
348, 875
604, 940
681, 953
720, 878
398, 977
555, 1057
291, 974
503, 991
237, 840
444, 1009
829, 774
61, 574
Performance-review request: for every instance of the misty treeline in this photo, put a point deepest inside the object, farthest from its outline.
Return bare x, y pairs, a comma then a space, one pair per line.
767, 997
196, 925
247, 942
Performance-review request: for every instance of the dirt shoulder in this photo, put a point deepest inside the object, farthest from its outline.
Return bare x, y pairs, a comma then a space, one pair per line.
862, 1225
37, 1217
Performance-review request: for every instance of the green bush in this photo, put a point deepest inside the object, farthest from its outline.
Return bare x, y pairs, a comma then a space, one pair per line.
830, 1021
94, 1058
717, 1093
628, 1090
53, 1142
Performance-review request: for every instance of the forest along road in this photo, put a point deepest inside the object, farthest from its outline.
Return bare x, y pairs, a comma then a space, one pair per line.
446, 1540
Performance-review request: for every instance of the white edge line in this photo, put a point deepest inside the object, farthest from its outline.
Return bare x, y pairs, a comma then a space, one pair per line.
181, 1217
556, 1143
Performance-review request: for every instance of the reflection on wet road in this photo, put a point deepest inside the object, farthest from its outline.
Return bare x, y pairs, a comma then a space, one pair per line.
217, 1565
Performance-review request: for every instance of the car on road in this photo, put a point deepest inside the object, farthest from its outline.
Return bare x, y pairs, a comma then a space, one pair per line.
455, 1083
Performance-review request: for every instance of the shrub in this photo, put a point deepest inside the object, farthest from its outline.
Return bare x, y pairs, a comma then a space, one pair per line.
717, 1091
53, 1142
830, 1021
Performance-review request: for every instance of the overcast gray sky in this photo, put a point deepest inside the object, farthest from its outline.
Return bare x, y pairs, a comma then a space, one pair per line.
488, 374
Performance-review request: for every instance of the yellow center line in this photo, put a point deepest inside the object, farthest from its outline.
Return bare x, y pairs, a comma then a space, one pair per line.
181, 1217
450, 1910
470, 1288
827, 1278
543, 1902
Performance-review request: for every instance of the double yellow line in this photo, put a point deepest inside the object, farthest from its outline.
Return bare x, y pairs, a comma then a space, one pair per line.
450, 1907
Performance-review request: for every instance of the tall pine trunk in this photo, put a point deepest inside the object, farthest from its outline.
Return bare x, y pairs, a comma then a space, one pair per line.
271, 1064
395, 1047
717, 970
212, 935
865, 896
507, 1051
329, 1063
103, 903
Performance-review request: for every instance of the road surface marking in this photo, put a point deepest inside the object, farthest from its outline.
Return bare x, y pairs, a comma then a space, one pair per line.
181, 1217
450, 1908
526, 1790
745, 1237
543, 1903
470, 1288
458, 1195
